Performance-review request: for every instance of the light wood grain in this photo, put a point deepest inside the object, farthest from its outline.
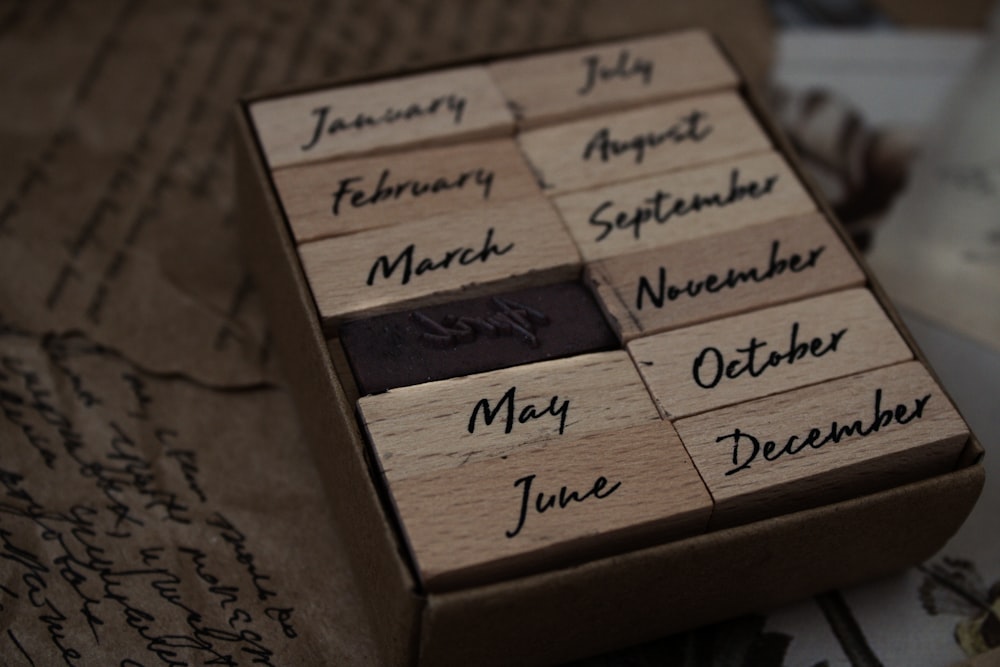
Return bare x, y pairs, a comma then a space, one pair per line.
648, 140
511, 245
728, 361
916, 434
727, 274
427, 427
464, 525
344, 196
551, 87
444, 106
681, 205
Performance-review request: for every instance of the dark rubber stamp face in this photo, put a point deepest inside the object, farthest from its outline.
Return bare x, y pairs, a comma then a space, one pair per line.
474, 336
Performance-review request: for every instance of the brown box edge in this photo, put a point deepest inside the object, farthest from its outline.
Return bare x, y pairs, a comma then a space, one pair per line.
517, 619
326, 416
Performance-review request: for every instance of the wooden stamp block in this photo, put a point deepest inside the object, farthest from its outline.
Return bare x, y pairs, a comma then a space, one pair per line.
446, 106
639, 142
474, 335
677, 206
452, 423
432, 261
346, 196
542, 507
716, 276
552, 87
736, 359
825, 443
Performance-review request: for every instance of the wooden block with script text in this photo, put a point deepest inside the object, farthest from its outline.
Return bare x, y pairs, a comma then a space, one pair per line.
716, 276
823, 444
452, 423
469, 336
677, 206
639, 142
548, 506
740, 358
551, 87
445, 106
435, 260
345, 196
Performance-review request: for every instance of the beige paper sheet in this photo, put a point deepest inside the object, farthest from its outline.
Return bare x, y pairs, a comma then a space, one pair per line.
159, 505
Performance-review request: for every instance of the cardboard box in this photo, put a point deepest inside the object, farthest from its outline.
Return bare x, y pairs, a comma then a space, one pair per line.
586, 607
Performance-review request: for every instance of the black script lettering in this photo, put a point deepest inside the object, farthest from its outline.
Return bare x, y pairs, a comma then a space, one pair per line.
623, 68
816, 437
384, 191
452, 104
461, 255
544, 502
688, 128
526, 414
512, 318
732, 278
711, 364
662, 206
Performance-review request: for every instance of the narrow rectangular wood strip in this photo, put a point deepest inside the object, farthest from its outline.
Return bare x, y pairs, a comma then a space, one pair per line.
822, 444
543, 507
339, 197
442, 106
451, 423
726, 274
740, 358
432, 261
556, 86
681, 205
650, 139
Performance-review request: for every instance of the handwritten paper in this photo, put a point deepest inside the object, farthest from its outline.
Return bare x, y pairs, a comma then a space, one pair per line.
158, 505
